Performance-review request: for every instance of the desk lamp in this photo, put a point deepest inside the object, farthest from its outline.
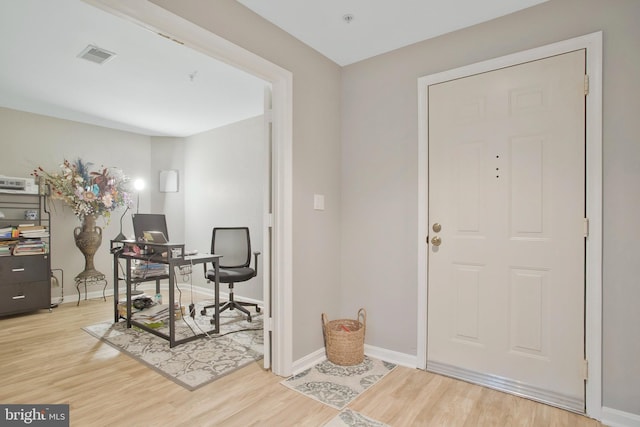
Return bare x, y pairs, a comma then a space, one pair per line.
139, 186
120, 237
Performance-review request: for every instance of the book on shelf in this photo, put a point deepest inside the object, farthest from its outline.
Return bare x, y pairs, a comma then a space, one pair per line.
8, 244
30, 247
145, 269
122, 304
30, 227
6, 247
155, 315
34, 234
9, 233
123, 300
27, 231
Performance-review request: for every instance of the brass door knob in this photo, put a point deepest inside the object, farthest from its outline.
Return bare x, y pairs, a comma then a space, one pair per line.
436, 241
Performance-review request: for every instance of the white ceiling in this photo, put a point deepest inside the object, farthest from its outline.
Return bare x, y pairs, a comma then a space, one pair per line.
378, 26
146, 88
154, 86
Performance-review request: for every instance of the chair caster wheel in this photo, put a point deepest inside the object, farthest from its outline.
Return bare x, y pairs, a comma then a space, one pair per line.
249, 319
212, 321
203, 312
257, 309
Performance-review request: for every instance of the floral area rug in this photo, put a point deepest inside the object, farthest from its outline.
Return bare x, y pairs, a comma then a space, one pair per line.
336, 385
194, 363
349, 418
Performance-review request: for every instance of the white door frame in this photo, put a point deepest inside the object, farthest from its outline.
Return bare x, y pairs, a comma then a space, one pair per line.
593, 274
159, 20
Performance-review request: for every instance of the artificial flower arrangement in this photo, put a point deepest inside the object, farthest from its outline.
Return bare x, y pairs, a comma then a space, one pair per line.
88, 192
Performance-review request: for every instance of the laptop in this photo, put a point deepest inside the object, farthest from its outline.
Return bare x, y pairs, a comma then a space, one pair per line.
148, 222
153, 236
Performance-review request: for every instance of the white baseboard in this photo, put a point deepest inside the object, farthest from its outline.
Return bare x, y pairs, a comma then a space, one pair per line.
71, 296
96, 293
401, 359
615, 418
308, 361
376, 352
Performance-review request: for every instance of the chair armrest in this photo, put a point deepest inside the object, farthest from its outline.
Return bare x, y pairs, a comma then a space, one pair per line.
205, 269
255, 261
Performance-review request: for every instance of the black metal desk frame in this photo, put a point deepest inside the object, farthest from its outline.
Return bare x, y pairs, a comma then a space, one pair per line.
118, 248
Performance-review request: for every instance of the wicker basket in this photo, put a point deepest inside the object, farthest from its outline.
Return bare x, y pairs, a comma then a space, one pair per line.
344, 339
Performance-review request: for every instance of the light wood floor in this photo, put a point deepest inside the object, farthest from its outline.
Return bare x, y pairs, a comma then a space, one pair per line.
46, 358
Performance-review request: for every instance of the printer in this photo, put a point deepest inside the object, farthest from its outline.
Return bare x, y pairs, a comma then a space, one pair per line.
15, 185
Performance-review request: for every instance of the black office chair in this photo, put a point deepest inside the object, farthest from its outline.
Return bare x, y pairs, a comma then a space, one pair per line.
234, 244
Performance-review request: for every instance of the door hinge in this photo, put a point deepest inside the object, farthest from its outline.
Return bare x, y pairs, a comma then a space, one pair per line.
268, 115
269, 323
586, 84
586, 227
585, 369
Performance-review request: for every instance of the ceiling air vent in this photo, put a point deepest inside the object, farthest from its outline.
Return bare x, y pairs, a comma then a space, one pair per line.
96, 54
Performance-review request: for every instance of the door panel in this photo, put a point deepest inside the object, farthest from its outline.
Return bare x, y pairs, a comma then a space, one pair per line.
507, 184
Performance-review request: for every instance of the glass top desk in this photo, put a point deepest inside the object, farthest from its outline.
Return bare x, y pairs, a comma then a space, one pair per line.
163, 253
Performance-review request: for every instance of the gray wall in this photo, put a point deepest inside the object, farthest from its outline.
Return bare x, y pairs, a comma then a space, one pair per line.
32, 140
376, 211
168, 154
224, 172
379, 173
316, 156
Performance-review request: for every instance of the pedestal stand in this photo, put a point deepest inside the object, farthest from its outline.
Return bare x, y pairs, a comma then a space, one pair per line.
98, 279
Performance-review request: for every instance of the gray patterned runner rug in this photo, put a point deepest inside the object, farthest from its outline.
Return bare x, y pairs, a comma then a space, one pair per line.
194, 363
336, 385
349, 418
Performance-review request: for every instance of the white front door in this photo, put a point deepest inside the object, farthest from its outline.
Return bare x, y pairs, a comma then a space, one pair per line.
507, 229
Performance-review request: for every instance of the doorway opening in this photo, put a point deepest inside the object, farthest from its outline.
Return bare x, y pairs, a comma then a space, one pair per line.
278, 300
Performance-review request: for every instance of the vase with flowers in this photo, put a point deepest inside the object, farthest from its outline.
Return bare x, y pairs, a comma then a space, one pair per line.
91, 194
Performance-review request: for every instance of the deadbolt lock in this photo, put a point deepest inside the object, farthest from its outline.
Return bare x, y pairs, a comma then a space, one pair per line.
436, 227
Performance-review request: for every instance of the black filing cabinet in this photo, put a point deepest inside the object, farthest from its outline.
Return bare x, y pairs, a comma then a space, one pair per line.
25, 283
25, 279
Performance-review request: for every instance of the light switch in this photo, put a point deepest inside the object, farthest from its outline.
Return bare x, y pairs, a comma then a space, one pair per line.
318, 202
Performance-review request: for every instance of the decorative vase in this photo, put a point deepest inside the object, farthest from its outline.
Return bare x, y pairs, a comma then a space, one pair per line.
88, 239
